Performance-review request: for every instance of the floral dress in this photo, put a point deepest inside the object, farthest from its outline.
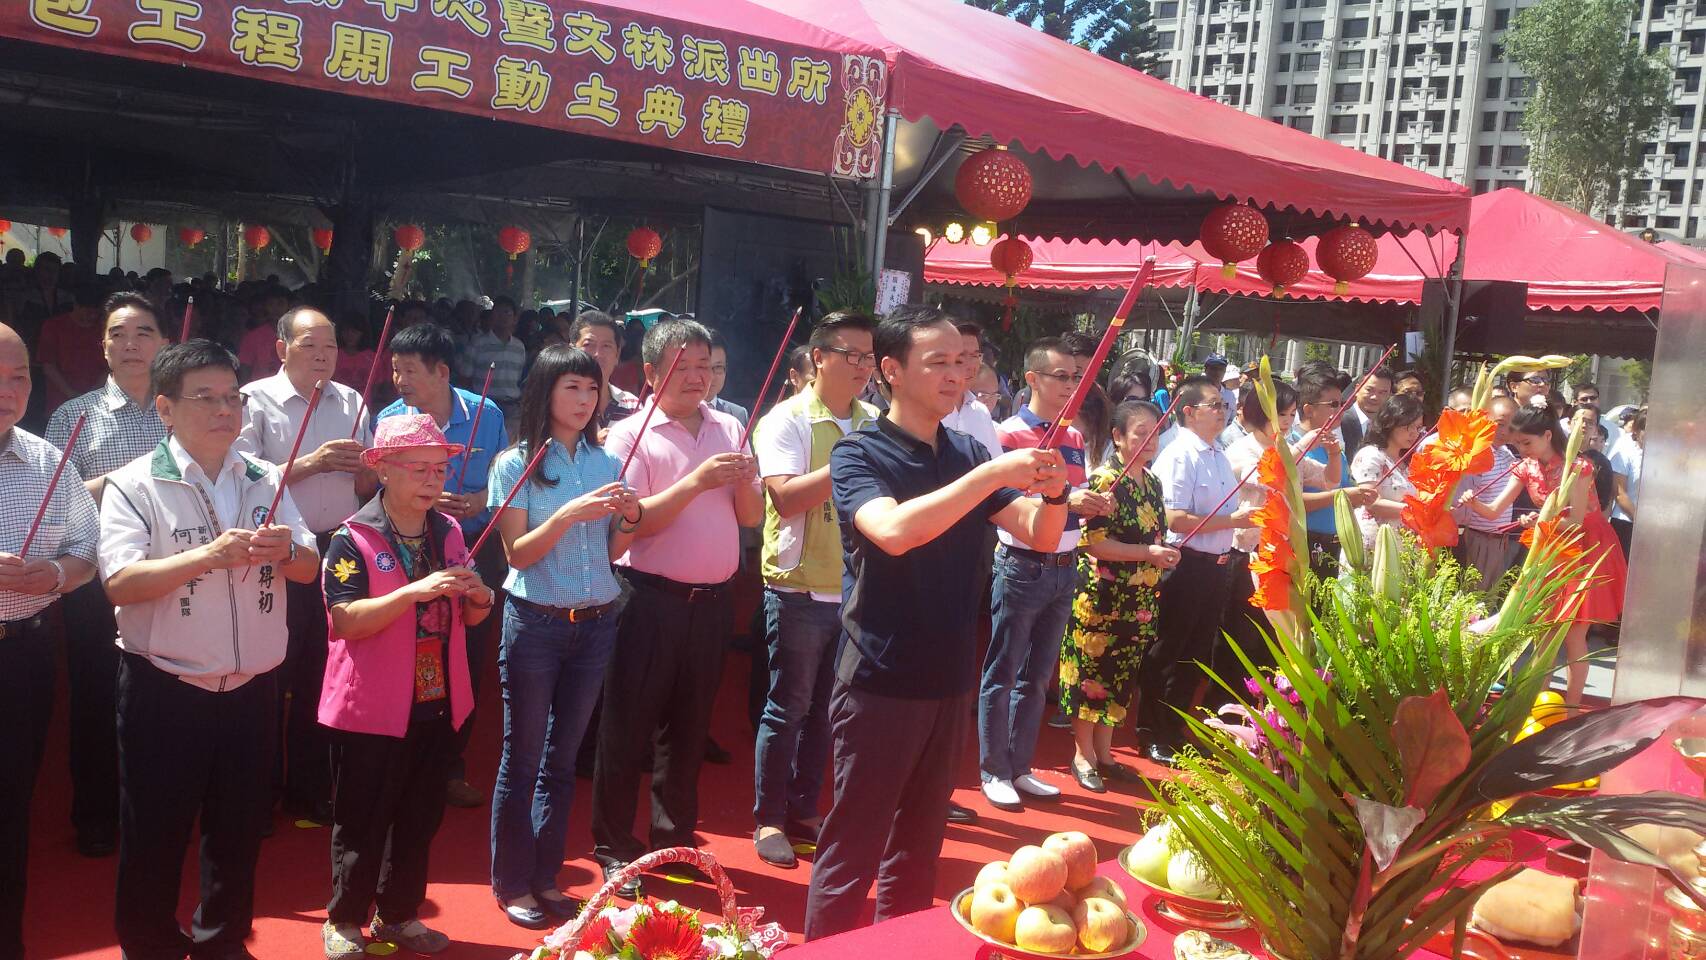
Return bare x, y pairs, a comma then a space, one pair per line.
1115, 611
1602, 600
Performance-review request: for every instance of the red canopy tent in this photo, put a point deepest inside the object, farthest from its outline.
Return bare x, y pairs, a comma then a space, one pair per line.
1570, 262
954, 65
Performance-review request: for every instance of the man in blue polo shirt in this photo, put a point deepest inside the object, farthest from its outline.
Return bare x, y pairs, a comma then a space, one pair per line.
1321, 390
422, 357
912, 499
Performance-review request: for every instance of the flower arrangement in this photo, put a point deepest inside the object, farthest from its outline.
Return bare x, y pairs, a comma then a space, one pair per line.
1340, 795
666, 930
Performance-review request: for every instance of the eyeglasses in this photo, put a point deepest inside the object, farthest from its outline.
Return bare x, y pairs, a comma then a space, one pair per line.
1210, 405
216, 402
1538, 381
420, 471
854, 357
1073, 378
1329, 404
988, 399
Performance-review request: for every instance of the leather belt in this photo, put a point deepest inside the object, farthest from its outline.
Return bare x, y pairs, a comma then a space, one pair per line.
691, 592
1220, 559
566, 614
1064, 558
17, 629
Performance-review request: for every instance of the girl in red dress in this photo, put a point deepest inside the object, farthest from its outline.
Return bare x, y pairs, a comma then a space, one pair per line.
1540, 440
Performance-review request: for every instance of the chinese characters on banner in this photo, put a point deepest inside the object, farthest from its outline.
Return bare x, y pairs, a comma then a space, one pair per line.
588, 68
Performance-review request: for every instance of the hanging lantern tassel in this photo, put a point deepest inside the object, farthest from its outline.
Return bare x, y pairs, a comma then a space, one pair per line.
1010, 256
515, 242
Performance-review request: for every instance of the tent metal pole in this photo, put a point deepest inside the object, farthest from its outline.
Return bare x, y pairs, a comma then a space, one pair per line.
885, 187
951, 142
1454, 305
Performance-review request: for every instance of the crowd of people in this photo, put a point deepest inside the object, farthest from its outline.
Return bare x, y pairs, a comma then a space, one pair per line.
237, 639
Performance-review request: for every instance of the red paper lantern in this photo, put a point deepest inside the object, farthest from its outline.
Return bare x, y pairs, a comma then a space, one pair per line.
409, 237
993, 185
323, 239
1233, 233
1282, 263
1011, 257
190, 236
141, 232
256, 237
1346, 253
514, 241
57, 233
5, 226
644, 244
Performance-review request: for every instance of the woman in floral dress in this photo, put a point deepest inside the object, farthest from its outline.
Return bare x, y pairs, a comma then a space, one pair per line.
1114, 614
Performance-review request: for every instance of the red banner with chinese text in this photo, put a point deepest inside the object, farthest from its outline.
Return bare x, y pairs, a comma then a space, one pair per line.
596, 69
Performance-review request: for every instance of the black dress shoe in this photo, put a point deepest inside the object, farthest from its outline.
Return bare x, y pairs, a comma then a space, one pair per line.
627, 891
959, 814
1089, 779
776, 850
1119, 773
530, 918
1162, 754
562, 908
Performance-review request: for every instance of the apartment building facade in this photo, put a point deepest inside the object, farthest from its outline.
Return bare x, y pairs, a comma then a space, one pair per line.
1428, 83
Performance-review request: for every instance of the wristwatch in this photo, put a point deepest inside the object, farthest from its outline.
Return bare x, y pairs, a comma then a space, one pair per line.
292, 556
1057, 501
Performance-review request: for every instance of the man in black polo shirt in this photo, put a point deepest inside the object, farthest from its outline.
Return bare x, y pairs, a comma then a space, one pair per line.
913, 499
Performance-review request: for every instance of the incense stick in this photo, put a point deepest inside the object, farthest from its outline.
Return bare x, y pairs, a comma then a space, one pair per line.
1153, 431
189, 315
474, 429
492, 524
52, 485
781, 351
647, 420
1112, 333
373, 372
290, 464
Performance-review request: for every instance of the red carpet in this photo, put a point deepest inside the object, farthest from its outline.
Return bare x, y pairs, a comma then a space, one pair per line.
70, 898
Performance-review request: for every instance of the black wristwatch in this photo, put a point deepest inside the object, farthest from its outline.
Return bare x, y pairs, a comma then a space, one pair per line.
1060, 500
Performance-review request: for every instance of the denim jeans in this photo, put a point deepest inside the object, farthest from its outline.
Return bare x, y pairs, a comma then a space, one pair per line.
551, 672
792, 753
1031, 603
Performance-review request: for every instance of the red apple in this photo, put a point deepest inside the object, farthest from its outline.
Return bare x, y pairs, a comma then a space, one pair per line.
1079, 852
1036, 875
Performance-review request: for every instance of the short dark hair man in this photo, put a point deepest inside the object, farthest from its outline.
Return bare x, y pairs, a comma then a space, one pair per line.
600, 335
198, 705
1370, 397
912, 497
1320, 395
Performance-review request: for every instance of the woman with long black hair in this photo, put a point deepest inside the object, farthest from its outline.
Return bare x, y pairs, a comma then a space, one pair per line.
1392, 433
561, 531
1540, 441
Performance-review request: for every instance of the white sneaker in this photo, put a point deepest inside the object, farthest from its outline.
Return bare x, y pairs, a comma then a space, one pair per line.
1036, 788
1001, 795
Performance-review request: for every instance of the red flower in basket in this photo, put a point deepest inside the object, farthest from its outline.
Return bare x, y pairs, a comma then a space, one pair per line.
667, 936
598, 939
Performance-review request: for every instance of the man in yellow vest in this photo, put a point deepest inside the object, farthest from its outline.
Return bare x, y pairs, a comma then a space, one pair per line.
802, 576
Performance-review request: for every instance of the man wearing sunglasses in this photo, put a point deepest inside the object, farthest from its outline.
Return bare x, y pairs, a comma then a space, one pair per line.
802, 565
327, 482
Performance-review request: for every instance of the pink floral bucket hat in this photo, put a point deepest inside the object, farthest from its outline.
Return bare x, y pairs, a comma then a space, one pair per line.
406, 432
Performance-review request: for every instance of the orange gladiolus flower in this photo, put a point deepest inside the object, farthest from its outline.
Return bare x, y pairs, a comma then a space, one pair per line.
1464, 443
1429, 519
1550, 532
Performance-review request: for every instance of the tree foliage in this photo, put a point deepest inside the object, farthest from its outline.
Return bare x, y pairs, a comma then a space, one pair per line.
1121, 30
1598, 98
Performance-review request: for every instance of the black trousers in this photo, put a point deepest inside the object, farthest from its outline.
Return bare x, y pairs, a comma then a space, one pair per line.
895, 761
1193, 603
188, 756
26, 705
663, 679
388, 800
307, 780
1244, 623
492, 568
91, 674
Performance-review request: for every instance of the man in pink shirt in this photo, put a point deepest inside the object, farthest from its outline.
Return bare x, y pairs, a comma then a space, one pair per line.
697, 489
257, 354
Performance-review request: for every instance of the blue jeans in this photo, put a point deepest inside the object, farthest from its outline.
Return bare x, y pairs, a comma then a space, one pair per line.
793, 735
1031, 603
551, 672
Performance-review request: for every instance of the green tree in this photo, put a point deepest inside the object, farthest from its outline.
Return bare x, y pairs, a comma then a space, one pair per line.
1598, 98
1121, 30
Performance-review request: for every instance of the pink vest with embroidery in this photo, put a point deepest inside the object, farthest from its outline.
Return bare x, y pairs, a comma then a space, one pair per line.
370, 683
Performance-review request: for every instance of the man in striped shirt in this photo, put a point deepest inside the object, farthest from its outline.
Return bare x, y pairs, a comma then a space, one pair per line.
1490, 546
121, 424
1032, 597
501, 351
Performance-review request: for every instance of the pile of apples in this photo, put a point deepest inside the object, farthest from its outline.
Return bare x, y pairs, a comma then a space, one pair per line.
1047, 899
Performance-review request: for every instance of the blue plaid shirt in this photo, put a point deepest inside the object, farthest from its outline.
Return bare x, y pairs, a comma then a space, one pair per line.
576, 572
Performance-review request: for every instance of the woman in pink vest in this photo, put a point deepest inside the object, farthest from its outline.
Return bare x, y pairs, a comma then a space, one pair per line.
399, 594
